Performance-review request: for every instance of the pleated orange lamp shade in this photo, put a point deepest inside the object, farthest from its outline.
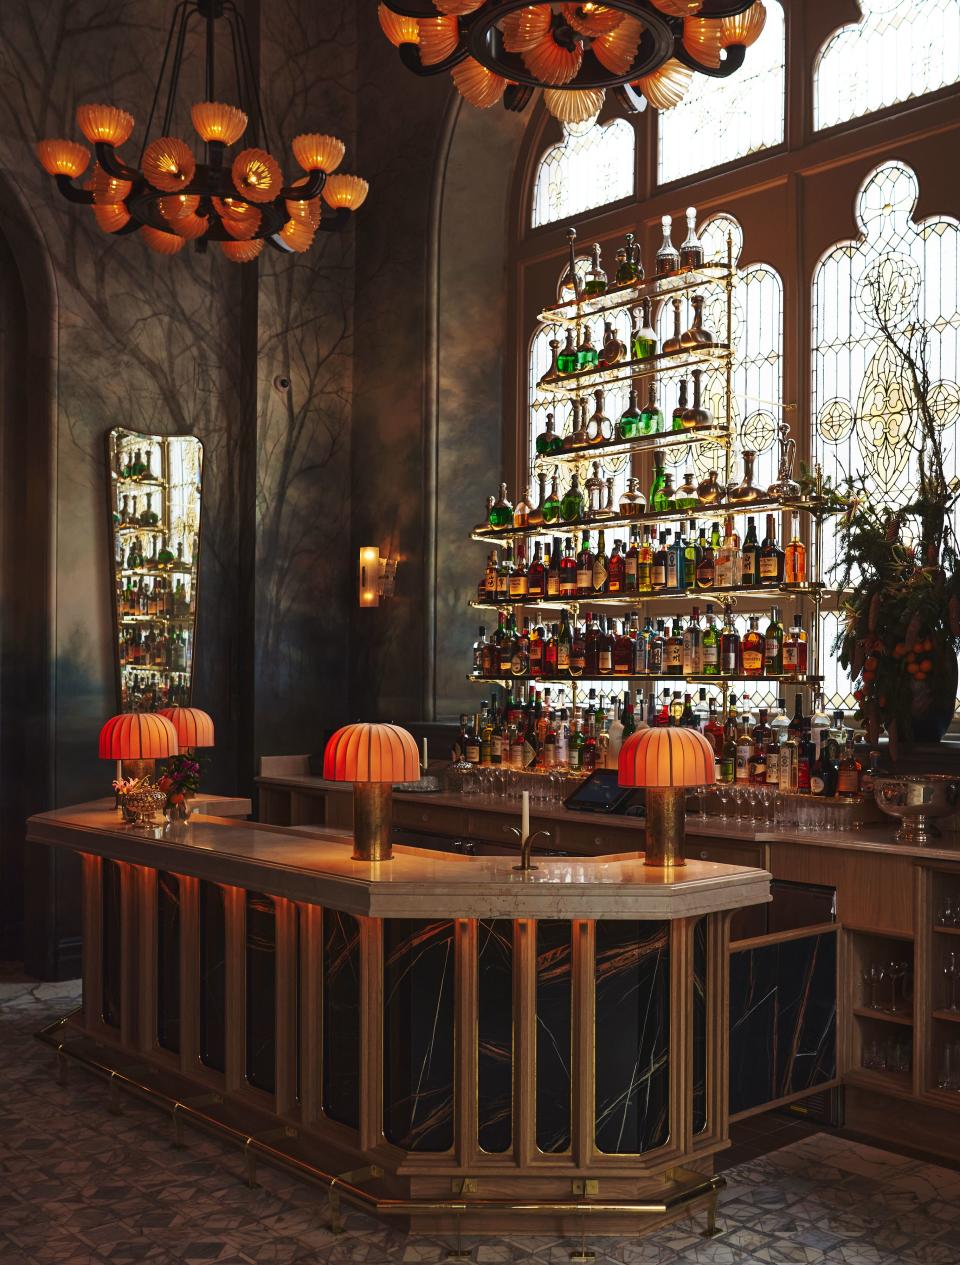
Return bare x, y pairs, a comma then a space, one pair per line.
668, 757
194, 727
371, 753
138, 736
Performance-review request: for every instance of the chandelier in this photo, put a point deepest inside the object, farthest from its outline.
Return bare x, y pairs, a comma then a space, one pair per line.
173, 197
503, 50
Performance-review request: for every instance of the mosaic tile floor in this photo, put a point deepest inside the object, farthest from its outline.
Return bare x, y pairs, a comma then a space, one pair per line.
82, 1187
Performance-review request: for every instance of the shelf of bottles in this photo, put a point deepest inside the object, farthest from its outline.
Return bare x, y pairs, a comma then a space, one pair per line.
155, 496
580, 579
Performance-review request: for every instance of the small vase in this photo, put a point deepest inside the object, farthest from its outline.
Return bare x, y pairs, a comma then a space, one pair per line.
177, 812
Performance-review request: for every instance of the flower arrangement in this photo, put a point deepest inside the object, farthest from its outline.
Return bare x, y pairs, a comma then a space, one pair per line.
180, 779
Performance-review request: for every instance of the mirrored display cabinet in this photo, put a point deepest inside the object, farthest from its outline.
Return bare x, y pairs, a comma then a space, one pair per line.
155, 484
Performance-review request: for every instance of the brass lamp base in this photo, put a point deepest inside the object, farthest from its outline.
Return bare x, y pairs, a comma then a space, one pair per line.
372, 821
138, 768
664, 835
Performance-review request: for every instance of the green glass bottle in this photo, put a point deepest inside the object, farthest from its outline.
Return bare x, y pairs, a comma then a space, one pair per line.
686, 497
596, 280
651, 419
587, 355
643, 340
567, 357
551, 505
630, 417
681, 408
691, 559
165, 556
501, 512
656, 500
571, 507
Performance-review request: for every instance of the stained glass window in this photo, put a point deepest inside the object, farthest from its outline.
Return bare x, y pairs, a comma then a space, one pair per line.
592, 166
910, 47
907, 273
721, 120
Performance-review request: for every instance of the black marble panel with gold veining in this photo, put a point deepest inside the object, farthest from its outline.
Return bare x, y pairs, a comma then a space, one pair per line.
419, 969
632, 1036
495, 1034
554, 1035
261, 1025
111, 942
168, 962
783, 1019
213, 976
700, 1026
340, 1077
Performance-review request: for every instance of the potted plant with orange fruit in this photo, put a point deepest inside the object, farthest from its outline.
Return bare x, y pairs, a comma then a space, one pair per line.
900, 566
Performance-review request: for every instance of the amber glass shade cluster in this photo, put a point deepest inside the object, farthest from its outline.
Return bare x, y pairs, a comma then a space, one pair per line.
646, 50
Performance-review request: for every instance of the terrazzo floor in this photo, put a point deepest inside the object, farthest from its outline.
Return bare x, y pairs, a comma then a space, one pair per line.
83, 1187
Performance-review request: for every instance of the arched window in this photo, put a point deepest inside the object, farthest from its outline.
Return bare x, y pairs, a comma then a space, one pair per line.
898, 50
904, 275
592, 166
721, 120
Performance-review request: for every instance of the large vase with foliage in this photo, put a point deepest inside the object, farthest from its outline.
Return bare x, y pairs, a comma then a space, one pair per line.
898, 564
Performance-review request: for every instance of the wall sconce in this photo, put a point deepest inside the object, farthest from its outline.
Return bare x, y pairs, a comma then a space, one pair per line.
377, 576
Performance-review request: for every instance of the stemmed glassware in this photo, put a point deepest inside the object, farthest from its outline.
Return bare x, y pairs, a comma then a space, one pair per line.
951, 973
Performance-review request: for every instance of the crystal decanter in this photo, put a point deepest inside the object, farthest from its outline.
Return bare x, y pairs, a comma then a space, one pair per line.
572, 505
691, 252
702, 417
535, 517
709, 491
643, 338
501, 512
674, 343
786, 487
578, 434
685, 497
696, 335
668, 257
567, 361
628, 426
548, 441
746, 491
599, 426
613, 350
632, 501
551, 505
521, 511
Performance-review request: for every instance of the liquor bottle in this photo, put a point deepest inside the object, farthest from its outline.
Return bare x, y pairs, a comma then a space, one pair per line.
595, 282
658, 567
572, 505
591, 634
631, 565
798, 723
685, 497
728, 757
849, 772
578, 650
661, 489
537, 574
745, 754
710, 646
149, 516
644, 338
795, 649
552, 590
795, 555
605, 642
479, 647
645, 564
506, 645
587, 355
629, 423
657, 650
548, 441
521, 511
825, 773
487, 588
616, 569
779, 723
752, 650
770, 567
693, 646
673, 650
589, 753
651, 419
564, 643
727, 566
568, 572
472, 742
691, 252
165, 555
750, 557
628, 716
691, 558
490, 654
713, 729
585, 568
773, 645
600, 567
501, 512
623, 652
789, 765
519, 580
761, 741
706, 567
668, 257
137, 466
550, 652
805, 761
675, 549
676, 420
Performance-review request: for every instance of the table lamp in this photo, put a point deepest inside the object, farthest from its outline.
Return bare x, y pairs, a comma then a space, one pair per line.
138, 740
372, 757
194, 727
666, 762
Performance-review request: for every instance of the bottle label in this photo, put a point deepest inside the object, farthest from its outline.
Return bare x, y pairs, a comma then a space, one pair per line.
568, 588
553, 584
803, 773
752, 662
749, 566
773, 770
788, 770
519, 586
744, 759
584, 578
605, 662
473, 752
728, 770
723, 574
848, 782
791, 656
658, 575
758, 768
711, 657
599, 574
768, 568
563, 656
630, 573
578, 663
517, 663
675, 656
496, 748
705, 577
672, 571
817, 784
772, 648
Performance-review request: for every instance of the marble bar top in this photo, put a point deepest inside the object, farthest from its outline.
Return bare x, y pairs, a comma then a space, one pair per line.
314, 865
872, 837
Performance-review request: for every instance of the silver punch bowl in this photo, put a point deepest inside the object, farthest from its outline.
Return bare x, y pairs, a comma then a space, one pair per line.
918, 799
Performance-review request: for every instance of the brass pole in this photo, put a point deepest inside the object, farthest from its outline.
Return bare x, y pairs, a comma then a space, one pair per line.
664, 831
372, 821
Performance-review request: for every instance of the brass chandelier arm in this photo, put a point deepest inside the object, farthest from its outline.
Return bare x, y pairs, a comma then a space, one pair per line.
303, 192
70, 191
112, 165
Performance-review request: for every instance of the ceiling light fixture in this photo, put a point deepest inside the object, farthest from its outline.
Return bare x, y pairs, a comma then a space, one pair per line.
172, 197
645, 51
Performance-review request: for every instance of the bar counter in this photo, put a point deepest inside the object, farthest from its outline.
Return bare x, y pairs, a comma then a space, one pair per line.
440, 1039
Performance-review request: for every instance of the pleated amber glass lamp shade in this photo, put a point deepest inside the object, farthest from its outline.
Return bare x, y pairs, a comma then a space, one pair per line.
666, 762
397, 28
194, 727
214, 121
104, 123
137, 739
63, 158
372, 757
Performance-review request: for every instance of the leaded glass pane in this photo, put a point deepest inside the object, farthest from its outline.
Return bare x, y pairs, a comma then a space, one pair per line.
592, 166
908, 273
898, 50
721, 120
